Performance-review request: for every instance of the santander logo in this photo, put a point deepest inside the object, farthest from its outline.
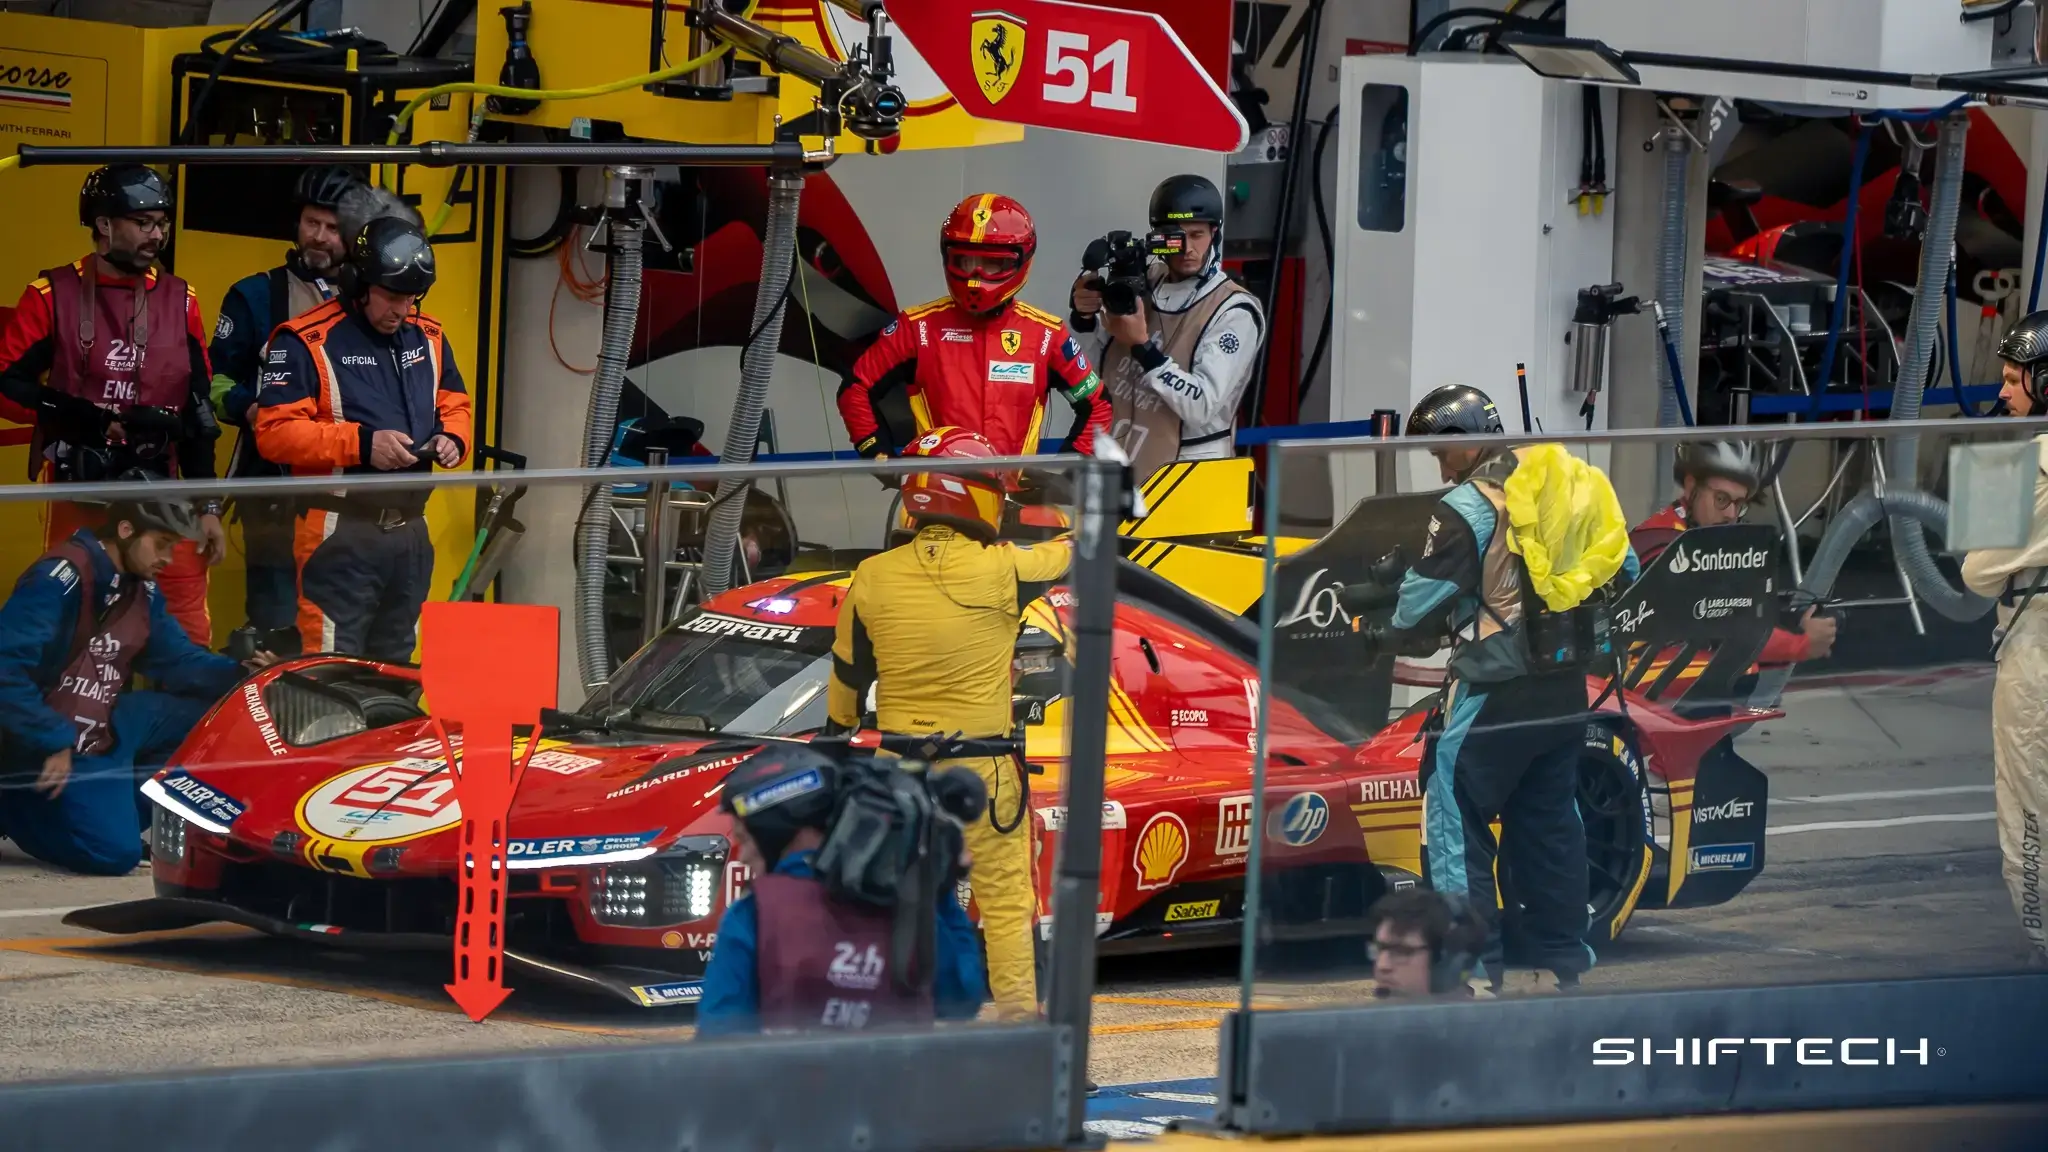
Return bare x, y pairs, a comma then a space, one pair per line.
1701, 560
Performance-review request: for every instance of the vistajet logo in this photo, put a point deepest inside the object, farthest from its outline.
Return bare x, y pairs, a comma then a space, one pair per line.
1699, 1052
1685, 560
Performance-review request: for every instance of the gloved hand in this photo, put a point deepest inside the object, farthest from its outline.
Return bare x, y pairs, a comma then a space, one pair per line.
72, 417
145, 422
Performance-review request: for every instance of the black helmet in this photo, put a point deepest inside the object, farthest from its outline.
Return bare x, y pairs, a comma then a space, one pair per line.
1185, 200
778, 792
2026, 342
1454, 410
322, 187
1729, 459
393, 254
121, 190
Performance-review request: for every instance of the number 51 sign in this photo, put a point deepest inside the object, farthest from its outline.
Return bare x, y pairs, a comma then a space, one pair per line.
1054, 64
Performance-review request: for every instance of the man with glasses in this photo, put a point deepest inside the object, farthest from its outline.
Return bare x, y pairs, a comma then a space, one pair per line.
1424, 943
978, 359
1717, 479
106, 357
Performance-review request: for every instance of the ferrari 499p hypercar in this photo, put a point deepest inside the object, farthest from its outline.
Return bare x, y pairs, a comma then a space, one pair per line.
315, 802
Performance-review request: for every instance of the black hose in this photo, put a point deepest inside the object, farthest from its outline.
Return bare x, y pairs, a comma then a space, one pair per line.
1297, 120
290, 11
1505, 20
556, 232
1315, 358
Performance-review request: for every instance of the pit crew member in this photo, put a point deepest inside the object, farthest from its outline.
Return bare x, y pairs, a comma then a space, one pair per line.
106, 356
1508, 748
2019, 726
253, 308
1717, 479
932, 626
366, 384
1424, 943
1176, 368
74, 739
788, 955
980, 359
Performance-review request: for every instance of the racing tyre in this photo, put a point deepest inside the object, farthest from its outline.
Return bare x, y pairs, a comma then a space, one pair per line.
1614, 803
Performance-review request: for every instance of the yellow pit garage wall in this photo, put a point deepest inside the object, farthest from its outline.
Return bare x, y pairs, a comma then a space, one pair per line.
583, 43
128, 86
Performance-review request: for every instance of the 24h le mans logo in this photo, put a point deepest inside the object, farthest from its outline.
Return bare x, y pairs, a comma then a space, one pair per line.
997, 43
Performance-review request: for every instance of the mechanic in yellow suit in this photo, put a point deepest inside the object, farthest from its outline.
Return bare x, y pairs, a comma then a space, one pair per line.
2018, 577
932, 625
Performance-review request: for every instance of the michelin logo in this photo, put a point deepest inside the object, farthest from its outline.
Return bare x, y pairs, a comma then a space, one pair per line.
1718, 560
1723, 857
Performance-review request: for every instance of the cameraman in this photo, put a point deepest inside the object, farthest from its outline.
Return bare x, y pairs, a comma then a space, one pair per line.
1176, 366
789, 956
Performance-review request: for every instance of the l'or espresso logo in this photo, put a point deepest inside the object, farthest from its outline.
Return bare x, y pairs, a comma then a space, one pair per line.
34, 86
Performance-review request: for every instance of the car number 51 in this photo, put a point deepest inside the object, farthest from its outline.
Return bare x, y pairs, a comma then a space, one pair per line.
1066, 56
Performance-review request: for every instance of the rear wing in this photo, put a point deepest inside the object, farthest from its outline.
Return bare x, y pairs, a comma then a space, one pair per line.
1320, 649
1696, 619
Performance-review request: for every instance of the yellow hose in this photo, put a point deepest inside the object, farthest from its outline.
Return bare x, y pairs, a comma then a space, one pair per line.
7, 162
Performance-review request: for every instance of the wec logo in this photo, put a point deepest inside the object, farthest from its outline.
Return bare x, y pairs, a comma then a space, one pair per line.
1718, 560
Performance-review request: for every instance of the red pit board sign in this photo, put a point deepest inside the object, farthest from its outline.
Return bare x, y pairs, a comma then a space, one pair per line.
1053, 64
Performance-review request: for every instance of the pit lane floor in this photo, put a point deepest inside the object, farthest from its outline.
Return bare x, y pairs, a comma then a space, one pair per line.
1883, 863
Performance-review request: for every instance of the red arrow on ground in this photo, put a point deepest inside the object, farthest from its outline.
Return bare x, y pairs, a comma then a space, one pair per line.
486, 667
1053, 64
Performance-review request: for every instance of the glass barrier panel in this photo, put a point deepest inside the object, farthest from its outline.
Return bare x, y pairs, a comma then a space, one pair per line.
226, 789
1744, 728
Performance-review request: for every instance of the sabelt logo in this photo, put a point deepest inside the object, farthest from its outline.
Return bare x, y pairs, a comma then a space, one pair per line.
1685, 560
1198, 910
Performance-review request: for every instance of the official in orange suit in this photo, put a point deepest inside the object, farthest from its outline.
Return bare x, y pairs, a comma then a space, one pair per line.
360, 385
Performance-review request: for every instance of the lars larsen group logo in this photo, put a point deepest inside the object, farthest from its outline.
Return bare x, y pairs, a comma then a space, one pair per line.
1685, 560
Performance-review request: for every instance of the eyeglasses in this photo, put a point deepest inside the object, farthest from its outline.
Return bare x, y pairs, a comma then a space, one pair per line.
160, 227
1374, 950
1723, 502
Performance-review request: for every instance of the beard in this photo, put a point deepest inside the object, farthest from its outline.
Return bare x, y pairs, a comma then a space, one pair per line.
319, 261
132, 261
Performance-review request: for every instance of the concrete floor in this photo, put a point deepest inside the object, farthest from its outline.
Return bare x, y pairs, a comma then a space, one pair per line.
1882, 863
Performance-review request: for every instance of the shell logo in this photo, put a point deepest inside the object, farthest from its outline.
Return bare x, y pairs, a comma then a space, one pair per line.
1162, 849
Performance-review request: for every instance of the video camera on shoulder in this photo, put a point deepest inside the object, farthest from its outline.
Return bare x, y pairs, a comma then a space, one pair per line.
1120, 260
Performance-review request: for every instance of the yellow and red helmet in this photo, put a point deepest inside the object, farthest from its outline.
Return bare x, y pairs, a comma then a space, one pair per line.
969, 501
987, 244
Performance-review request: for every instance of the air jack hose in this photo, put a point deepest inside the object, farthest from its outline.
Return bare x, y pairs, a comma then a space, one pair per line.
757, 365
1857, 517
1672, 249
594, 526
1902, 453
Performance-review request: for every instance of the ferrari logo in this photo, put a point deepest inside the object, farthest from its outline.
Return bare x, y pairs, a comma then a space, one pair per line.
1012, 340
998, 48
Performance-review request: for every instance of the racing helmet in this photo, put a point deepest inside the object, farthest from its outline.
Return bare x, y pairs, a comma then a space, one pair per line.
391, 253
987, 243
1186, 199
1454, 410
971, 502
174, 516
2025, 346
1729, 459
780, 791
323, 186
121, 190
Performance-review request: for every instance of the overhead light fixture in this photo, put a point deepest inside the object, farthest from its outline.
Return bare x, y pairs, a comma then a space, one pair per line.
1564, 58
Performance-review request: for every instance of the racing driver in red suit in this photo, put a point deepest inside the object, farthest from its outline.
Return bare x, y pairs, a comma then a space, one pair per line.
1717, 479
979, 359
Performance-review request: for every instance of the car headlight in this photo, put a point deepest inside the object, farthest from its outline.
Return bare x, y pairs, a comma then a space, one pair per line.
675, 887
166, 835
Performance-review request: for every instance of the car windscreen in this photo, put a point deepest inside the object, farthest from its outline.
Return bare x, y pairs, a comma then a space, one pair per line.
693, 682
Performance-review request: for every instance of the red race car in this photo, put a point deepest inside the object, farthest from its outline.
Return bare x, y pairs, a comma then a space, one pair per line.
315, 801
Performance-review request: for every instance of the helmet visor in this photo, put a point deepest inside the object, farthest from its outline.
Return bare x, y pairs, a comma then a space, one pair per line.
996, 264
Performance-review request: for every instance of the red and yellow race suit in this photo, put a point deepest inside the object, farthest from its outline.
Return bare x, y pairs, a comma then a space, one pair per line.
988, 374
